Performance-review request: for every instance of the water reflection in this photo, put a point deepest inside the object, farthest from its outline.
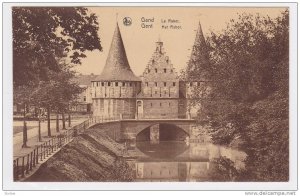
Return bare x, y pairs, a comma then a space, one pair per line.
162, 150
182, 161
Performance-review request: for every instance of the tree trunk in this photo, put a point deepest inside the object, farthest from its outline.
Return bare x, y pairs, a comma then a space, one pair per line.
40, 136
57, 122
24, 129
63, 120
69, 119
48, 121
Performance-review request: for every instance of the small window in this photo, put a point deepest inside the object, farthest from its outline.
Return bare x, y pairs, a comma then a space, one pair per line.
155, 70
123, 84
97, 83
191, 83
174, 83
84, 98
160, 104
165, 70
130, 84
169, 104
165, 84
155, 83
171, 70
116, 84
148, 70
102, 83
146, 83
108, 84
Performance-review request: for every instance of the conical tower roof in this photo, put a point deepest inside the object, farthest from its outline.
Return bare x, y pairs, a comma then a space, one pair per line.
200, 40
199, 60
117, 67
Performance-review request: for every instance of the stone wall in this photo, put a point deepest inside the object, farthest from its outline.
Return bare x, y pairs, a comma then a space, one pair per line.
114, 107
115, 89
160, 108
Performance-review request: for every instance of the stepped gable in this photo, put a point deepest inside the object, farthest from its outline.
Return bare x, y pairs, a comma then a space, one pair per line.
117, 67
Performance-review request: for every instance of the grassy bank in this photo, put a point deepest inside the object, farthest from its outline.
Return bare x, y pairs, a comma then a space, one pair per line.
91, 156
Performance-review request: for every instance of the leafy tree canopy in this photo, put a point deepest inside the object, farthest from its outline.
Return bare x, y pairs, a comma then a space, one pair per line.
248, 104
41, 35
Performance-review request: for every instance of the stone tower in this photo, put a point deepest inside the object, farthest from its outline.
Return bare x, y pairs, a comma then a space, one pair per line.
160, 87
115, 91
197, 83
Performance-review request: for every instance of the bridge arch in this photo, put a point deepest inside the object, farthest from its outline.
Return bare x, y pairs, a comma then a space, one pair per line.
131, 129
164, 131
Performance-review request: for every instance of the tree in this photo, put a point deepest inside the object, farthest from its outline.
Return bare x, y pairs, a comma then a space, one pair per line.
248, 100
222, 169
42, 34
57, 93
23, 96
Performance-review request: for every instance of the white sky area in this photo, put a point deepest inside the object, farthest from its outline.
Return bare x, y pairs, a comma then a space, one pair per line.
140, 42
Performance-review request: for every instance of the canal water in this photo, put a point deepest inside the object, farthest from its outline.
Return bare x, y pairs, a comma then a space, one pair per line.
184, 161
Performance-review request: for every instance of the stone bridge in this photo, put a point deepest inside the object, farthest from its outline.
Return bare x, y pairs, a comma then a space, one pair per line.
148, 129
156, 129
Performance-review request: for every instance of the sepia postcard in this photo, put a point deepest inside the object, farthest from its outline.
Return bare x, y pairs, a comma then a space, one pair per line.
158, 97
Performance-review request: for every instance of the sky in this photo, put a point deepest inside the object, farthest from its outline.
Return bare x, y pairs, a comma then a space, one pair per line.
178, 33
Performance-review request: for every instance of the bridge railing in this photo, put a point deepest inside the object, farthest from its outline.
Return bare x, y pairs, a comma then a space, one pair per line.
23, 165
